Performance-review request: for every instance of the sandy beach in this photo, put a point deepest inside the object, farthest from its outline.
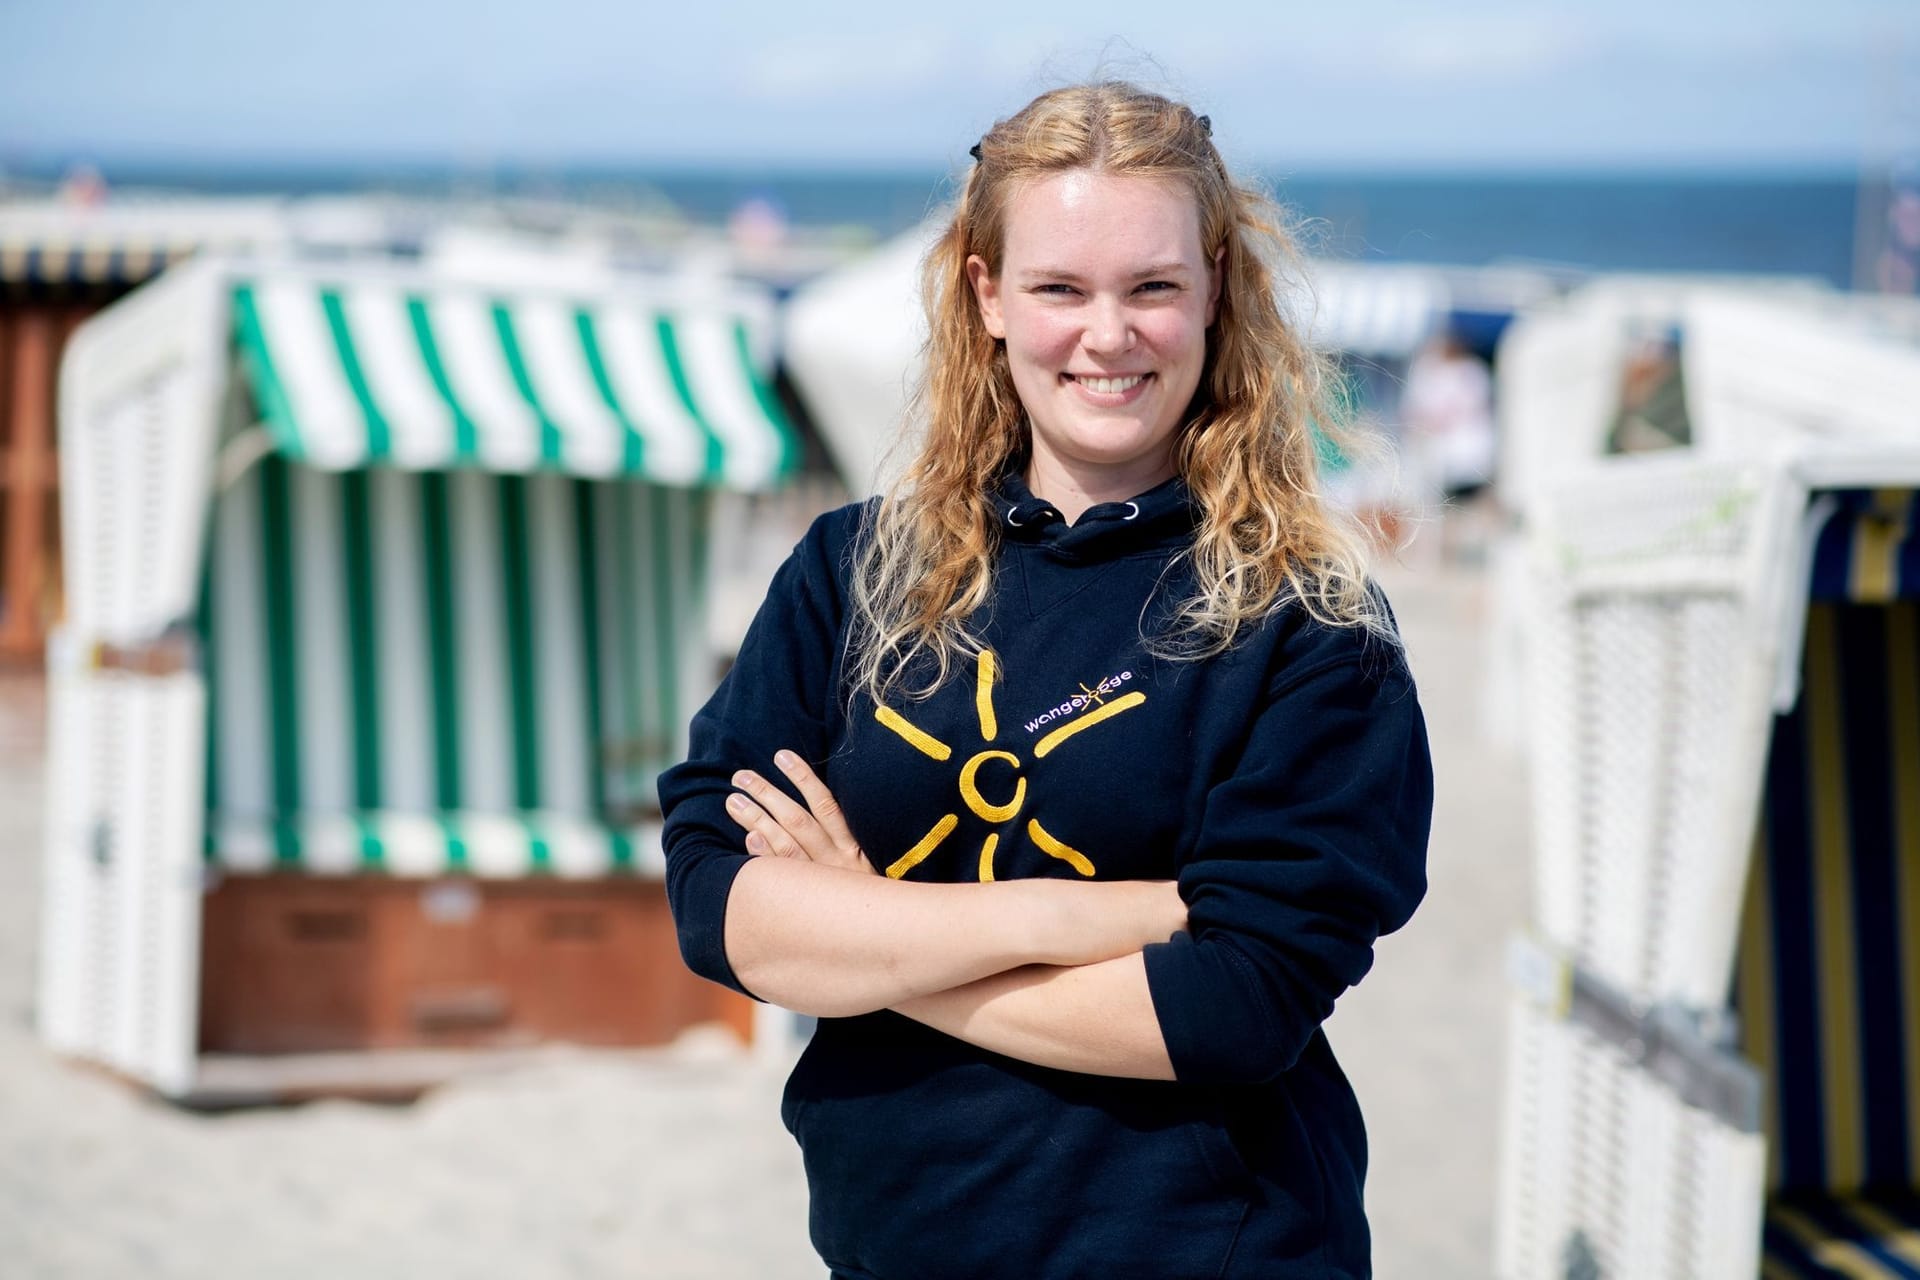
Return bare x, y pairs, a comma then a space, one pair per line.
674, 1164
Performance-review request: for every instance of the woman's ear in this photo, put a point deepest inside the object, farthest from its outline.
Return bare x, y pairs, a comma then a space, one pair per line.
986, 292
1218, 279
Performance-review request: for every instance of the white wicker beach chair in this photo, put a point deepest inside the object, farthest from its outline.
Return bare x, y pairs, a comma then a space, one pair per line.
1725, 680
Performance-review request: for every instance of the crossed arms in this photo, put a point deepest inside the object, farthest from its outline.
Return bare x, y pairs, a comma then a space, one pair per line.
1047, 971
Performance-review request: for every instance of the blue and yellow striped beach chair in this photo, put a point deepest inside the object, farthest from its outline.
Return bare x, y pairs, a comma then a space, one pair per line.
1827, 983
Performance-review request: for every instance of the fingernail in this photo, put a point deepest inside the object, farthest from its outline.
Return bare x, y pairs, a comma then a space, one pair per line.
742, 778
785, 759
737, 803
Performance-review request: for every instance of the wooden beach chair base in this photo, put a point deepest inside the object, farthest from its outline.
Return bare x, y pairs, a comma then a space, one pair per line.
300, 964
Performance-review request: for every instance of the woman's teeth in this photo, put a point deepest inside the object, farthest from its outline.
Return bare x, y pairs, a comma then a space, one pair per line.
1110, 386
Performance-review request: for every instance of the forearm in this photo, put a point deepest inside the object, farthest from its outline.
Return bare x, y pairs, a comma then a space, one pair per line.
836, 944
1094, 1018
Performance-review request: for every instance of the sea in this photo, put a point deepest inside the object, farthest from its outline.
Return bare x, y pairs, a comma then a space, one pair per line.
1797, 223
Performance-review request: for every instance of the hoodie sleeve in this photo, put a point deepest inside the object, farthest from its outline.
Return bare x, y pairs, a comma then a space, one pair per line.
777, 694
1310, 849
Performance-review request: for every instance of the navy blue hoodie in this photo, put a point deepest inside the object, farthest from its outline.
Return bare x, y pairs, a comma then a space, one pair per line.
1286, 785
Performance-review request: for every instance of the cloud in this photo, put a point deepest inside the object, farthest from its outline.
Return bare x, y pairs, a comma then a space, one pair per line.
1506, 46
846, 67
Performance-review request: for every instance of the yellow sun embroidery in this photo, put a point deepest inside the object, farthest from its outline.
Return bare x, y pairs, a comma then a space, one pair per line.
969, 780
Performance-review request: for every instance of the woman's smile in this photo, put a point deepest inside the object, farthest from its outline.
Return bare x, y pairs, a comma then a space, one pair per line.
1111, 390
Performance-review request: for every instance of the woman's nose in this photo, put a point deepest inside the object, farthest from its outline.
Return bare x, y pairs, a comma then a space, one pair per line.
1109, 328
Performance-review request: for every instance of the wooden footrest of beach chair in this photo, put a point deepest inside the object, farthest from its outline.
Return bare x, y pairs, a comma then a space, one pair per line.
300, 963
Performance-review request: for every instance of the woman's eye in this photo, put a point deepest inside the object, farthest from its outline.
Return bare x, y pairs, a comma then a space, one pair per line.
1151, 286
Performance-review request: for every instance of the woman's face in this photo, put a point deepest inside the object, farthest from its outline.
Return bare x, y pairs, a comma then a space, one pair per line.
1104, 298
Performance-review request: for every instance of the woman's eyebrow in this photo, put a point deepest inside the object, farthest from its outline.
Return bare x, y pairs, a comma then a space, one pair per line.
1143, 273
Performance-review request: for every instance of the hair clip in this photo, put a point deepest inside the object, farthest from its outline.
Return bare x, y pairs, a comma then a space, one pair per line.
1206, 124
974, 151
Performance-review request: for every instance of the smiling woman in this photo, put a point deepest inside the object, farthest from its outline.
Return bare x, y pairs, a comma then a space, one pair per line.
1072, 781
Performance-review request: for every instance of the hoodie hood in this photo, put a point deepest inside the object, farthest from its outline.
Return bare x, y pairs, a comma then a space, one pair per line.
1163, 516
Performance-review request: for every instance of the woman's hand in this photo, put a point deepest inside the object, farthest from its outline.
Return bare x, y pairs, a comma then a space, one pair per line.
777, 827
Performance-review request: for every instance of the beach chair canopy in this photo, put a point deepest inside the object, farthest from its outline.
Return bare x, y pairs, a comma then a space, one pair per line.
1377, 311
1827, 370
54, 248
174, 393
405, 371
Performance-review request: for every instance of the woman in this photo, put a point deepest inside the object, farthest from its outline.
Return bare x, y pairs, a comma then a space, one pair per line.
1077, 775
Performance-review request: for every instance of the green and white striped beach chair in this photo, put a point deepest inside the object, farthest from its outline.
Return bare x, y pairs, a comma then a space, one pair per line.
371, 573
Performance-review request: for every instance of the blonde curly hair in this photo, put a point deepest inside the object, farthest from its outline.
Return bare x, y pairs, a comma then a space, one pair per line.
1247, 449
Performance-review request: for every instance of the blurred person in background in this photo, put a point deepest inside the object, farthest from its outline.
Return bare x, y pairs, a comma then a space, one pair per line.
1071, 781
1447, 410
1652, 414
1897, 269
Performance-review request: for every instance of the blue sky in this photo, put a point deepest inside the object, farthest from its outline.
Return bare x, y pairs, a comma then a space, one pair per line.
1367, 84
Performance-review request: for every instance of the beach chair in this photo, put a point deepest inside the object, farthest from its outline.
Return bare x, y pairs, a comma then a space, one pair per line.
386, 609
1714, 1050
